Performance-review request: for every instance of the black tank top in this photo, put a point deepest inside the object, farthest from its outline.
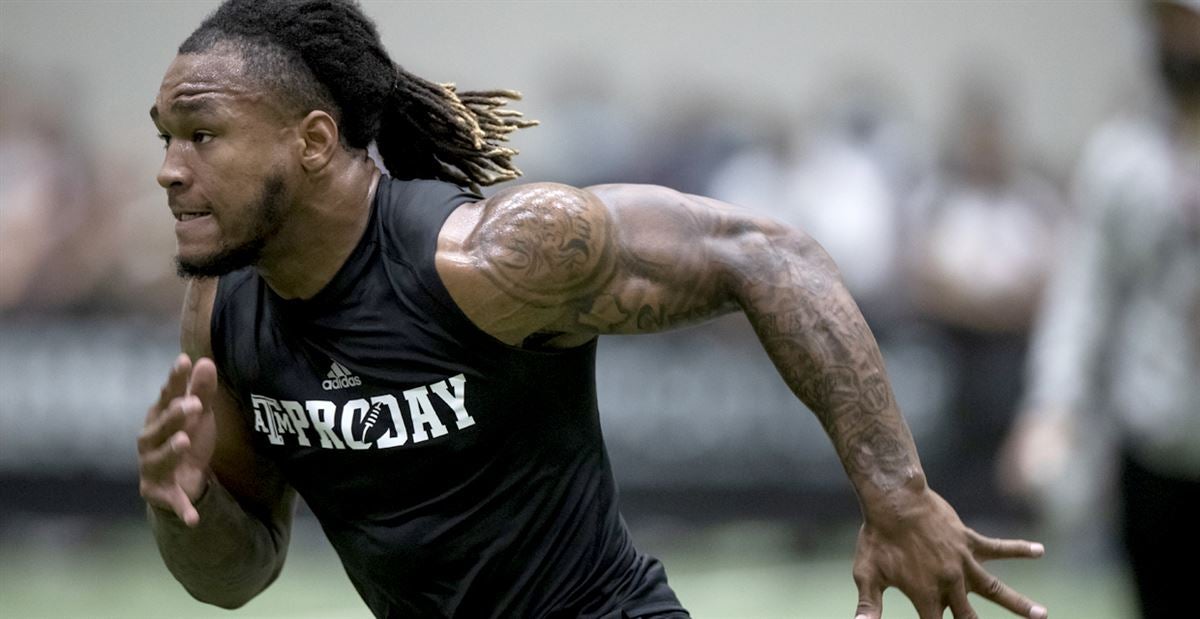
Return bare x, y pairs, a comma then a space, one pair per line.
455, 476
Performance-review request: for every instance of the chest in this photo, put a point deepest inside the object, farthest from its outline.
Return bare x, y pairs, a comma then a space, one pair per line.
378, 401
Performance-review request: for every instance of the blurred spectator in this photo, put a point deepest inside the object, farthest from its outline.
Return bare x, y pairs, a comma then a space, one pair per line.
986, 223
70, 238
983, 231
845, 178
842, 181
1119, 341
697, 132
587, 133
48, 228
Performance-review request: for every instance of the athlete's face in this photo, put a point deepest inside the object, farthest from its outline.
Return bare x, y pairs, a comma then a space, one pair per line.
228, 162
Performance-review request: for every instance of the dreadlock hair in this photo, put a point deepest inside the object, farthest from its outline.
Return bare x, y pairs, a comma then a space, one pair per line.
327, 55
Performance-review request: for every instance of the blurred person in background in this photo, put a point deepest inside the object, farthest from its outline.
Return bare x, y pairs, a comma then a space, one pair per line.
843, 179
980, 249
1118, 345
56, 248
327, 294
691, 139
591, 133
73, 242
846, 173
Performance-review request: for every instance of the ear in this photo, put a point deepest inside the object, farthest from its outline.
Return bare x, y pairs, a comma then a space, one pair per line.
319, 135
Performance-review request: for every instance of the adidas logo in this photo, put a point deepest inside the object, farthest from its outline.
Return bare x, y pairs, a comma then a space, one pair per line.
339, 378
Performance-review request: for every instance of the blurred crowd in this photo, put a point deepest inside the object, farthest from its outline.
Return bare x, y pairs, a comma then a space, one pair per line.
956, 234
1114, 404
945, 245
77, 236
1065, 303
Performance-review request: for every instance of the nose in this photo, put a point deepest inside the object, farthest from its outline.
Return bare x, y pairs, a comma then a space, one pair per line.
174, 172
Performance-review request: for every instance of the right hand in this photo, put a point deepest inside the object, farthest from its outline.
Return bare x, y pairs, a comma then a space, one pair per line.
177, 441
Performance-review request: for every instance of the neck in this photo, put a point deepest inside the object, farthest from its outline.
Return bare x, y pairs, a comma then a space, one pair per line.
321, 232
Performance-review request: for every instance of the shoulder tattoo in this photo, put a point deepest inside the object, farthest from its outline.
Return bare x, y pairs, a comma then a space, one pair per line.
545, 244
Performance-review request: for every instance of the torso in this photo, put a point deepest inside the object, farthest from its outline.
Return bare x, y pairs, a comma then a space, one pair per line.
454, 474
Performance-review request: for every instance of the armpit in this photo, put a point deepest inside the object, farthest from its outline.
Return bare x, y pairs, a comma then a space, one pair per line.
544, 244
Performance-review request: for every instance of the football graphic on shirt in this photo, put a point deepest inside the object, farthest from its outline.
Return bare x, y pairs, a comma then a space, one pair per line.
375, 424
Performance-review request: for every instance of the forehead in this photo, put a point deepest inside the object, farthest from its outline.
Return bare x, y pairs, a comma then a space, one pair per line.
208, 81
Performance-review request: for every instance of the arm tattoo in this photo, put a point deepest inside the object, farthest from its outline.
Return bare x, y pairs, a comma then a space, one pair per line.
553, 246
825, 352
542, 243
665, 278
635, 259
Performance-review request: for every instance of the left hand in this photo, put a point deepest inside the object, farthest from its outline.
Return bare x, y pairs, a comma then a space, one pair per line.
933, 558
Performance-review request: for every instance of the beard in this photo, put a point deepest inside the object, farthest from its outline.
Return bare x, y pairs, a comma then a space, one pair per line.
266, 214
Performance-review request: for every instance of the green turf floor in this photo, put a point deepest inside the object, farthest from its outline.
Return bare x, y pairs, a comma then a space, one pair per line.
77, 569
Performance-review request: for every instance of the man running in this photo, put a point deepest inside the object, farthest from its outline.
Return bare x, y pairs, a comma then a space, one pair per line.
418, 362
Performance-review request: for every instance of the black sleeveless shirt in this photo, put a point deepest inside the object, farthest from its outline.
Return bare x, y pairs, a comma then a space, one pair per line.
455, 476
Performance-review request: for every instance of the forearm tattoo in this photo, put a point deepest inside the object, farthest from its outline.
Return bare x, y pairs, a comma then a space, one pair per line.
824, 350
629, 259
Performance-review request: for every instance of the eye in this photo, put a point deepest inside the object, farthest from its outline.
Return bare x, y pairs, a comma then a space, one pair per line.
166, 140
201, 137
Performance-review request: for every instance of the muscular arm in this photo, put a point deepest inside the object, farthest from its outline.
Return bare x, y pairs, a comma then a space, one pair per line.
555, 265
233, 545
640, 259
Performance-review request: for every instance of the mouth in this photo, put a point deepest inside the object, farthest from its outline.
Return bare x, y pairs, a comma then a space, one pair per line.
182, 214
193, 224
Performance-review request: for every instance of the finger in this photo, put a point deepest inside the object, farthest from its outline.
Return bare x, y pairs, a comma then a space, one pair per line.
987, 548
176, 385
203, 382
161, 427
995, 590
870, 598
158, 430
159, 463
158, 484
178, 378
960, 607
183, 508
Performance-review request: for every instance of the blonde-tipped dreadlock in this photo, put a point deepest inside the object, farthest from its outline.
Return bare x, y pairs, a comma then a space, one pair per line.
326, 54
464, 130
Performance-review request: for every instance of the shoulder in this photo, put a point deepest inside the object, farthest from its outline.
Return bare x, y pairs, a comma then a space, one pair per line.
543, 243
419, 190
513, 262
413, 211
408, 201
